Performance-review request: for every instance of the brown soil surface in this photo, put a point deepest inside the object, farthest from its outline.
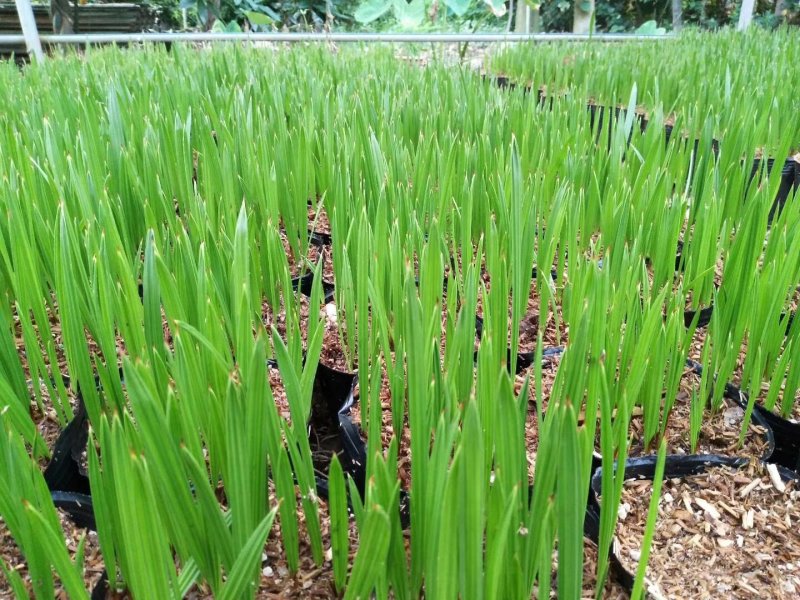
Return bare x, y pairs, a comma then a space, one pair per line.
312, 581
279, 393
549, 370
301, 264
270, 318
736, 376
453, 322
719, 432
55, 334
324, 436
50, 429
697, 343
387, 430
721, 534
92, 566
323, 224
531, 323
56, 338
326, 253
296, 263
611, 589
794, 411
483, 275
334, 354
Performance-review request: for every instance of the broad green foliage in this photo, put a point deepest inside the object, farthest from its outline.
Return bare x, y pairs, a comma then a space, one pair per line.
411, 14
650, 28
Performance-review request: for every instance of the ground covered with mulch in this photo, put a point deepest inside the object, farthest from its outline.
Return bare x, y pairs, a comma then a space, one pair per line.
611, 589
312, 580
725, 533
719, 431
549, 371
92, 567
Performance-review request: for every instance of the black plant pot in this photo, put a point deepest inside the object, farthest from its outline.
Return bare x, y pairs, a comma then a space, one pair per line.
796, 160
524, 359
330, 391
305, 284
354, 454
789, 182
679, 257
669, 132
786, 434
64, 472
702, 316
787, 438
600, 114
545, 101
77, 506
319, 238
593, 109
504, 82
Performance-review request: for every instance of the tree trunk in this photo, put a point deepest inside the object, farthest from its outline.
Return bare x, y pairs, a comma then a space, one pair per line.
61, 13
677, 15
211, 16
528, 19
522, 20
582, 19
746, 14
780, 6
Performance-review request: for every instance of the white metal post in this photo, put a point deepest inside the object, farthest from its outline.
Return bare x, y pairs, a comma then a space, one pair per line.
746, 14
29, 30
523, 23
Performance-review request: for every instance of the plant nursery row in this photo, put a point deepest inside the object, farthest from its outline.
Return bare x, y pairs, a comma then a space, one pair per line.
318, 322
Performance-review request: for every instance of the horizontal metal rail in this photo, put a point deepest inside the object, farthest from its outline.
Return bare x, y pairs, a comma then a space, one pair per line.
449, 38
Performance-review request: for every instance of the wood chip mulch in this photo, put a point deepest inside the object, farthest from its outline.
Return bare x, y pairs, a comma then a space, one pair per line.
323, 224
387, 429
300, 264
334, 353
270, 317
549, 370
719, 431
611, 590
724, 533
92, 565
312, 581
793, 413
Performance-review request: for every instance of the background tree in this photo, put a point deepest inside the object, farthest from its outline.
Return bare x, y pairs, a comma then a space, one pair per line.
582, 16
677, 15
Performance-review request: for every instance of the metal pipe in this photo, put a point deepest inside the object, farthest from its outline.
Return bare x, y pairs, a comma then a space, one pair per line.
30, 34
449, 38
